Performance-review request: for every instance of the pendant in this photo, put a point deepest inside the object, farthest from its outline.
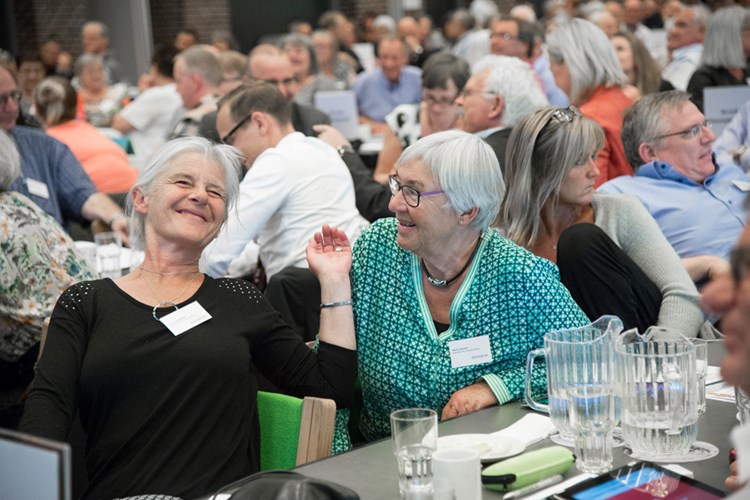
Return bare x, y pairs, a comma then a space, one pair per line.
436, 282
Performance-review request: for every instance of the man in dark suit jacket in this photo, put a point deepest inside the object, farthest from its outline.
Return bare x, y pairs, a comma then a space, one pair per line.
270, 64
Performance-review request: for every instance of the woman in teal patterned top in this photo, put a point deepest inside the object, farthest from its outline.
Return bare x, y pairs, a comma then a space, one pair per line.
446, 309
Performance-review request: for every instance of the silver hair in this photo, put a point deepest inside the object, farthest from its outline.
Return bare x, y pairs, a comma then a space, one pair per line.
644, 121
467, 170
10, 161
590, 57
204, 62
86, 59
701, 14
514, 81
103, 28
541, 151
227, 157
722, 45
524, 11
386, 22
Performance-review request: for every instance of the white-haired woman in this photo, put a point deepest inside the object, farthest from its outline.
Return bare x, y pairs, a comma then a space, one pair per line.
436, 278
612, 256
300, 51
586, 68
159, 363
726, 49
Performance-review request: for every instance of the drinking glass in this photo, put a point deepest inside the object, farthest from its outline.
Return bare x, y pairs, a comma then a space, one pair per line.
414, 436
701, 372
108, 248
592, 415
743, 405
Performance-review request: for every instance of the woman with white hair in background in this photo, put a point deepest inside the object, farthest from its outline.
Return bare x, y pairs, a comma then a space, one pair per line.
436, 277
587, 69
726, 48
38, 262
160, 362
611, 254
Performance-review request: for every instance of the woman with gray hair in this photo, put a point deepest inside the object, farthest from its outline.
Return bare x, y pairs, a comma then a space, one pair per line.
160, 362
611, 254
300, 51
586, 68
98, 101
37, 263
437, 278
726, 48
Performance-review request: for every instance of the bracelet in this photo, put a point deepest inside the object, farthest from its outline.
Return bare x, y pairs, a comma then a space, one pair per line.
326, 305
118, 215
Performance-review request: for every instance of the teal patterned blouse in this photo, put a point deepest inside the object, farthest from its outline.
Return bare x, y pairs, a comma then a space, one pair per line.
508, 294
38, 261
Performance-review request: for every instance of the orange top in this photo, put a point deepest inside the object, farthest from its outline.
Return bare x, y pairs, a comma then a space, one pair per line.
104, 161
606, 107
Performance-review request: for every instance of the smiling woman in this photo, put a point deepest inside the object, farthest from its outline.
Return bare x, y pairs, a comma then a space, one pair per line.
611, 254
160, 363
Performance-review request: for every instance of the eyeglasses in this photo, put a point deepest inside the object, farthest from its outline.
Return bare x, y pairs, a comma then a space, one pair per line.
688, 133
565, 115
432, 100
411, 195
15, 94
286, 82
739, 260
504, 36
227, 138
467, 92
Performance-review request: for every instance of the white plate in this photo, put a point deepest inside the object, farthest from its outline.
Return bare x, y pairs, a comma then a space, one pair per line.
491, 448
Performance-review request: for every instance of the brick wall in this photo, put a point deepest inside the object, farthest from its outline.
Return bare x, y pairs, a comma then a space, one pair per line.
38, 19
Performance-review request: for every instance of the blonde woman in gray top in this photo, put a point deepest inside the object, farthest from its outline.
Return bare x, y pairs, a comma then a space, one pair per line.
611, 254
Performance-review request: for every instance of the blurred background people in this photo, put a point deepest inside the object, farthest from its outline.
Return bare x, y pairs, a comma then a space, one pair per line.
98, 101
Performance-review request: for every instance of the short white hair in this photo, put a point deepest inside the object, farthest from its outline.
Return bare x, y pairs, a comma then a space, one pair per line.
467, 170
525, 12
515, 81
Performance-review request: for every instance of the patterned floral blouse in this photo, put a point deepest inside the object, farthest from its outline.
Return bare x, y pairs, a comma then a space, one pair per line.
38, 261
508, 294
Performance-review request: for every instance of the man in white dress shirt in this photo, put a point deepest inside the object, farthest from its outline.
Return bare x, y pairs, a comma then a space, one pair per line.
685, 44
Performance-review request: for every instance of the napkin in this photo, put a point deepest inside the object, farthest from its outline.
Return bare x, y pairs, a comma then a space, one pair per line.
531, 429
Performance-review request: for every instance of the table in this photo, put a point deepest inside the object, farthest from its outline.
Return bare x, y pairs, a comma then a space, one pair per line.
371, 470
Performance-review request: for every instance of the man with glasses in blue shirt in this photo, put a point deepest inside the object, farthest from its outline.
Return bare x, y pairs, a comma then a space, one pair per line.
697, 202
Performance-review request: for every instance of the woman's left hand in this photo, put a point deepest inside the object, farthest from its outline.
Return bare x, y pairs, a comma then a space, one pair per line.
469, 399
329, 253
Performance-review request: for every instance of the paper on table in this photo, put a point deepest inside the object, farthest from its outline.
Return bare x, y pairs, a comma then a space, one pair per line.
531, 429
720, 392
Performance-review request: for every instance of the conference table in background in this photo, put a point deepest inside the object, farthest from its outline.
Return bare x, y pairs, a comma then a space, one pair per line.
371, 470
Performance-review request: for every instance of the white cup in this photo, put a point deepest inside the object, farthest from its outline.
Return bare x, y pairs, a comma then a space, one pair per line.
458, 469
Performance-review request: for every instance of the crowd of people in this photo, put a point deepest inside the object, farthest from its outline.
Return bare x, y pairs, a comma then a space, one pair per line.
538, 170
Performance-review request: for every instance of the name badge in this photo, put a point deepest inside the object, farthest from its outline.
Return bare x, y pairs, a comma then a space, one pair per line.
186, 318
468, 352
743, 186
37, 188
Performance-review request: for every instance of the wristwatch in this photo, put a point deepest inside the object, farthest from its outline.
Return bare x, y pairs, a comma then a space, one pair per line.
345, 148
737, 155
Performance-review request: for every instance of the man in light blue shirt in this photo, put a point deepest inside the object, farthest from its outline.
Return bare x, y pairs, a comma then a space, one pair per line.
697, 202
388, 85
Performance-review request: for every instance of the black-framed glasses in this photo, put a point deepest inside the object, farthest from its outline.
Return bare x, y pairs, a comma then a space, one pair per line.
15, 94
411, 195
739, 260
234, 130
565, 115
688, 133
504, 36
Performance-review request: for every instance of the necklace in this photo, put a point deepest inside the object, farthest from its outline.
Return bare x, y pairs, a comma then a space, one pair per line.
444, 283
166, 303
141, 268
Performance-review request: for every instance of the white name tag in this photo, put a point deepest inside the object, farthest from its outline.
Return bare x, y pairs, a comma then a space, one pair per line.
186, 318
468, 352
37, 188
743, 186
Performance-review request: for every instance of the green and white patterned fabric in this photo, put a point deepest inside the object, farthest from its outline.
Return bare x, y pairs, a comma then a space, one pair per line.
508, 294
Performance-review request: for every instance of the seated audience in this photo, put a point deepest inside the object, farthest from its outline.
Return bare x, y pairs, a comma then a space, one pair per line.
197, 75
468, 40
50, 175
734, 140
330, 65
392, 83
586, 67
233, 68
152, 115
57, 62
98, 102
697, 202
38, 262
725, 53
685, 43
223, 40
444, 276
103, 160
443, 77
301, 53
172, 413
638, 65
410, 31
344, 31
185, 38
95, 41
293, 183
30, 73
610, 252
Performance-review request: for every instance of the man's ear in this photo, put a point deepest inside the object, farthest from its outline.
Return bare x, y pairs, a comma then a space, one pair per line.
262, 120
647, 152
498, 106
